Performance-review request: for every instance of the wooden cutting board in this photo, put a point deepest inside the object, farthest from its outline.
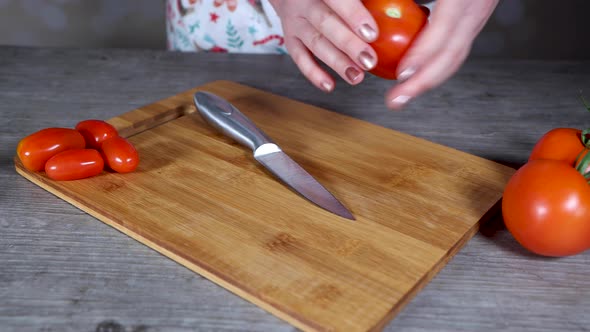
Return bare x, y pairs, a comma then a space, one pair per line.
202, 200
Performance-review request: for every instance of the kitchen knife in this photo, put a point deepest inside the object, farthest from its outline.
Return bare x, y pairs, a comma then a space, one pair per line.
223, 116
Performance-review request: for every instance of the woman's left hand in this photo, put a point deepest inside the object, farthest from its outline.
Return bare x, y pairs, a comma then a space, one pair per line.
440, 49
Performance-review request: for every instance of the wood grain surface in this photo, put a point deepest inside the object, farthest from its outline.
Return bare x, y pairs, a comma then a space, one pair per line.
64, 271
202, 200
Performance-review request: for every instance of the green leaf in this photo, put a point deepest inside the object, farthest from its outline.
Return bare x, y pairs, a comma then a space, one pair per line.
583, 163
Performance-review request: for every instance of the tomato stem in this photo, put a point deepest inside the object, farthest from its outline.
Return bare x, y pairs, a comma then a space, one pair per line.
393, 12
586, 132
584, 137
583, 164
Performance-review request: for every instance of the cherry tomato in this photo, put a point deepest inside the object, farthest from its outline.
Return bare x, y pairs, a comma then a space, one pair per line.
120, 155
95, 132
399, 23
546, 207
74, 164
35, 149
559, 144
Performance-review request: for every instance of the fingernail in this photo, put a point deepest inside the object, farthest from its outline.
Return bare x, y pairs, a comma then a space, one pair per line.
353, 74
368, 33
367, 60
400, 101
406, 73
326, 86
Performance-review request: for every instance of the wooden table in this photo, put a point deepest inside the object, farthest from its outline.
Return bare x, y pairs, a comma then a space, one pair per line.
62, 270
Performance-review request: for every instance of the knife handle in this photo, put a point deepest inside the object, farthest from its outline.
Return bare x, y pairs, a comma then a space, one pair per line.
223, 116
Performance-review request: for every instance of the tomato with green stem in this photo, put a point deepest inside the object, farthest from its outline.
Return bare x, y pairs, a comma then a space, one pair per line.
399, 23
563, 144
546, 207
546, 203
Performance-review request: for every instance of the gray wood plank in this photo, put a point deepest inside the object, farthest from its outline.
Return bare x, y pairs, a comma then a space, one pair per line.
61, 270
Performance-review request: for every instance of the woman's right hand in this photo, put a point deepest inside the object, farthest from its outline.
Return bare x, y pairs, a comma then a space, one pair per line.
337, 32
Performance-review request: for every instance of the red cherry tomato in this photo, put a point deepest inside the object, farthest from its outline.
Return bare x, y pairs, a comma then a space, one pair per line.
399, 23
74, 164
120, 155
546, 207
35, 149
563, 144
95, 132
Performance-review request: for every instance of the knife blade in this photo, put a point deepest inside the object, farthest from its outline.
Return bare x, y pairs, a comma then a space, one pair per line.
222, 115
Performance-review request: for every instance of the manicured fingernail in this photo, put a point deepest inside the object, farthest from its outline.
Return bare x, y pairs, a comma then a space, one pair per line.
353, 74
326, 86
368, 33
367, 60
400, 101
406, 73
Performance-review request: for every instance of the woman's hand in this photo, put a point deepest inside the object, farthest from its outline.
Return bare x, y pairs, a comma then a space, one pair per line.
440, 49
337, 32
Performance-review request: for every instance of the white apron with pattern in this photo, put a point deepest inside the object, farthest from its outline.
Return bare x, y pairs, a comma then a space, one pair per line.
233, 26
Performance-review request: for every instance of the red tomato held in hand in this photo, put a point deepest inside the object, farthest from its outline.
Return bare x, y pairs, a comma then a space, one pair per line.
563, 144
74, 164
120, 155
399, 22
95, 132
546, 207
35, 149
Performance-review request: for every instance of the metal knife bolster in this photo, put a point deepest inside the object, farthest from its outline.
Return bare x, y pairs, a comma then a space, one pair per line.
266, 149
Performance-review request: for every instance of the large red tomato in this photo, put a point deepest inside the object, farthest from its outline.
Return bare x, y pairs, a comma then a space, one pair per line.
74, 164
399, 22
546, 207
95, 132
35, 149
559, 144
120, 155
